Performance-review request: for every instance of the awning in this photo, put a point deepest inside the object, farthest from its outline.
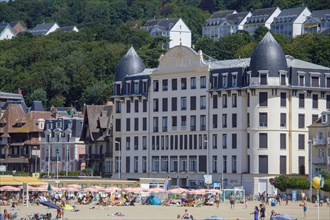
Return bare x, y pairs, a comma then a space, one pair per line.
19, 180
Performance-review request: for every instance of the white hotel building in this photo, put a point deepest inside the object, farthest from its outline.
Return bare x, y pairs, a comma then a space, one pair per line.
241, 121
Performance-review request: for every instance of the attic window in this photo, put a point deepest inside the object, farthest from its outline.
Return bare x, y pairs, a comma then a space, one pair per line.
19, 124
263, 79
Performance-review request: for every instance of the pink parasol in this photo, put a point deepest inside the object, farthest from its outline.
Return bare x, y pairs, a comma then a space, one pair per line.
212, 190
112, 189
9, 189
74, 186
98, 188
134, 189
197, 192
72, 189
89, 189
177, 190
156, 190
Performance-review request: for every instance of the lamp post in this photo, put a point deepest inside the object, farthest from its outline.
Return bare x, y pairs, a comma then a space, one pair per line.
56, 163
48, 168
221, 167
67, 159
35, 158
207, 158
310, 145
119, 167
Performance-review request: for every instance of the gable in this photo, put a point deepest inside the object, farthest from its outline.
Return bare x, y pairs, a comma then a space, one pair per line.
181, 59
180, 26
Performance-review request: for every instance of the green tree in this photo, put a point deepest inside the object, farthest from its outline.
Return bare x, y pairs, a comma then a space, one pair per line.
38, 95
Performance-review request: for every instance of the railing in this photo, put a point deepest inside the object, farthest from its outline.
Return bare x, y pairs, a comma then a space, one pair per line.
155, 129
173, 128
164, 129
193, 128
319, 160
262, 124
108, 154
319, 141
96, 156
183, 127
203, 127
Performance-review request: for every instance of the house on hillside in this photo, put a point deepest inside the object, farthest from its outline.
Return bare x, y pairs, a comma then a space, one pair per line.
97, 135
222, 24
6, 31
317, 22
68, 29
175, 29
7, 98
44, 29
261, 18
290, 21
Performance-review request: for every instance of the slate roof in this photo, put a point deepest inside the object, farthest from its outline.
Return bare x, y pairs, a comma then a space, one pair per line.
3, 27
65, 29
130, 64
97, 122
42, 29
237, 18
165, 23
37, 106
261, 15
320, 15
221, 14
291, 12
268, 55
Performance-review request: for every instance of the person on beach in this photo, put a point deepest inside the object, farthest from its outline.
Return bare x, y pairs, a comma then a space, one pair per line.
185, 215
262, 212
304, 205
217, 200
232, 201
255, 213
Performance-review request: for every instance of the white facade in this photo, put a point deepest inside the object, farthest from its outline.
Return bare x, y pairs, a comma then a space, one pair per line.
7, 33
180, 34
52, 29
260, 20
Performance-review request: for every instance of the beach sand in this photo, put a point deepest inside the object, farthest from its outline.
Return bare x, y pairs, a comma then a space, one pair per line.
171, 212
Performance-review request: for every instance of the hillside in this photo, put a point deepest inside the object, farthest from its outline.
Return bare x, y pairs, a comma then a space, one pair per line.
62, 68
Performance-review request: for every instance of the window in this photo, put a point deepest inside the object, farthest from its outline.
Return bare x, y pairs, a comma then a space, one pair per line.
301, 163
224, 141
174, 123
224, 101
283, 99
174, 103
174, 164
328, 102
164, 124
283, 77
203, 82
118, 107
224, 164
155, 105
136, 143
263, 140
183, 163
136, 124
203, 102
263, 99
155, 124
301, 100
144, 124
262, 119
128, 106
183, 83
193, 103
263, 79
315, 101
282, 141
128, 88
225, 81
165, 84
234, 100
248, 140
136, 164
215, 101
215, 121
263, 164
193, 82
282, 164
183, 122
155, 164
214, 81
156, 85
117, 89
193, 164
224, 120
144, 105
214, 164
164, 105
248, 100
301, 141
315, 81
136, 105
283, 120
203, 122
327, 82
144, 142
144, 86
128, 124
174, 84
234, 120
314, 117
164, 164
136, 87
183, 103
301, 80
128, 143
193, 123
301, 120
214, 141
234, 80
234, 164
144, 164
118, 122
234, 141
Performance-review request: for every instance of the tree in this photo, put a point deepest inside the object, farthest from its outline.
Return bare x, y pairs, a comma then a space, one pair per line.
38, 95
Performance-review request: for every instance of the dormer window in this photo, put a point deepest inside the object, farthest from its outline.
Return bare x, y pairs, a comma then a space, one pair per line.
301, 80
263, 79
315, 81
215, 80
136, 87
327, 81
128, 87
234, 79
144, 86
118, 88
282, 79
225, 80
324, 118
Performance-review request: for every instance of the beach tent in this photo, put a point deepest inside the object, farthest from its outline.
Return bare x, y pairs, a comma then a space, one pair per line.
156, 201
49, 204
282, 217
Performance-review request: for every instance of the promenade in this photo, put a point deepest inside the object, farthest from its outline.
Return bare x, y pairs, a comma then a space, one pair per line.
171, 212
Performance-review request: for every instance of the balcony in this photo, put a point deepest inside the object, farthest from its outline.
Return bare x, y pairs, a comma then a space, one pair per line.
192, 128
183, 127
319, 141
164, 129
262, 124
320, 160
155, 129
95, 156
203, 127
108, 154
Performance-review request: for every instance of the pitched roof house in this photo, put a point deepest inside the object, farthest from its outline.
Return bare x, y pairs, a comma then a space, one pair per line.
317, 22
68, 29
261, 18
224, 23
6, 32
174, 28
44, 29
290, 21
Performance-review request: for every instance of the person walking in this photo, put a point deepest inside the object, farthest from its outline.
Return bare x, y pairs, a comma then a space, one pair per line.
217, 199
185, 215
262, 212
232, 201
304, 205
255, 213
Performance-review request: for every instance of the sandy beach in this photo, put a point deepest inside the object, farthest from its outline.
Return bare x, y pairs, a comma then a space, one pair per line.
171, 212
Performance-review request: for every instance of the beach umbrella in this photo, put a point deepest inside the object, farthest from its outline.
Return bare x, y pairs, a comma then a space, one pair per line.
98, 188
89, 189
49, 204
212, 190
156, 190
74, 186
197, 192
134, 189
112, 189
178, 190
49, 187
72, 189
9, 189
